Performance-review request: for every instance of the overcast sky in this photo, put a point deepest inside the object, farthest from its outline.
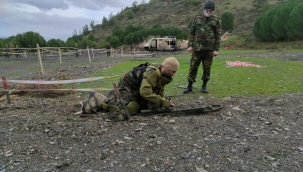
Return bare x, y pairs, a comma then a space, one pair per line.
55, 18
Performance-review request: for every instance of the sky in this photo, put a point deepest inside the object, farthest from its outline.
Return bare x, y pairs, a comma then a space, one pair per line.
55, 18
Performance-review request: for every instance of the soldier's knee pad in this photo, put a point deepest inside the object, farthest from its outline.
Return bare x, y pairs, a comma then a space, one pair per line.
133, 107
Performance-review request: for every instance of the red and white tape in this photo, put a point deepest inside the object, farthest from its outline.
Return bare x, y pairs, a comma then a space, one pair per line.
68, 89
58, 81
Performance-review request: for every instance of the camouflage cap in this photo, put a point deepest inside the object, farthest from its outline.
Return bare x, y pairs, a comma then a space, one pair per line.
171, 63
209, 5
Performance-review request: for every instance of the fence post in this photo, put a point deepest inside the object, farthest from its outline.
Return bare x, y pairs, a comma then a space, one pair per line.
5, 86
40, 60
93, 53
122, 51
88, 55
60, 55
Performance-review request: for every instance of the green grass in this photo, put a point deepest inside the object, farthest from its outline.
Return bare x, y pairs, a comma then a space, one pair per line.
275, 78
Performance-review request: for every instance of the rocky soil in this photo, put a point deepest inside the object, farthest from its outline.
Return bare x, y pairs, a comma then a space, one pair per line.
41, 132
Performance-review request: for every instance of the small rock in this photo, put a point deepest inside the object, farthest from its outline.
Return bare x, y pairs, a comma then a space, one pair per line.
172, 121
127, 138
270, 158
200, 169
300, 149
236, 108
261, 119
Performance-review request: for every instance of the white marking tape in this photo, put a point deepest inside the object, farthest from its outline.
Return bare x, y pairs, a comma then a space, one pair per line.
70, 89
58, 82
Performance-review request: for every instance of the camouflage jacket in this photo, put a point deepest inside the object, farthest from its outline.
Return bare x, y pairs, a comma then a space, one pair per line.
152, 86
205, 33
131, 81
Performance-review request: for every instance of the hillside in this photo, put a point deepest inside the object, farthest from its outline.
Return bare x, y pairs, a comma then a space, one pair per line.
175, 13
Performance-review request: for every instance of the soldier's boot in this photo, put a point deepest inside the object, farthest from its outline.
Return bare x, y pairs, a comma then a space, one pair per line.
189, 88
204, 89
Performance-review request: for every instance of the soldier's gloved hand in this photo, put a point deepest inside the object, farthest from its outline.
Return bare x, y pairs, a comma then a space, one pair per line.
165, 103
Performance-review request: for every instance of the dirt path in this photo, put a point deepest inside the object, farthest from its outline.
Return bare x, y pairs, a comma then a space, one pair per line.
42, 133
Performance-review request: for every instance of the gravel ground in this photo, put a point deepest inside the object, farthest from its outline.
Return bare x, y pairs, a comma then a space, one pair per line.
40, 132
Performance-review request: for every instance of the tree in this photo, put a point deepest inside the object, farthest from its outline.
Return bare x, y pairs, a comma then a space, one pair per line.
55, 43
279, 22
265, 24
29, 39
92, 24
227, 20
114, 41
104, 21
130, 14
85, 30
91, 37
75, 32
295, 23
111, 15
117, 31
257, 28
135, 7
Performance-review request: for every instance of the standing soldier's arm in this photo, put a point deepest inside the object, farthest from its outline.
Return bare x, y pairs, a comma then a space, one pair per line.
217, 34
192, 33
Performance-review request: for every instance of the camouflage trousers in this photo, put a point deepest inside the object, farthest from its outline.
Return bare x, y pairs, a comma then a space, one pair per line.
110, 101
206, 57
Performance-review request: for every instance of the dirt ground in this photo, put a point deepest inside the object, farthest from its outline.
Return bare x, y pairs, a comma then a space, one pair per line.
41, 132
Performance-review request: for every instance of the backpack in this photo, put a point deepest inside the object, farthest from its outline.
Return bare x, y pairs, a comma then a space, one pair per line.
133, 78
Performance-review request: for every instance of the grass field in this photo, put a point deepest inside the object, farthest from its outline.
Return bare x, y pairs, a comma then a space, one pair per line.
274, 78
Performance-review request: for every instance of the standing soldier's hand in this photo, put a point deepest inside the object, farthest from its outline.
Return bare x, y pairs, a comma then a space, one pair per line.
215, 53
190, 49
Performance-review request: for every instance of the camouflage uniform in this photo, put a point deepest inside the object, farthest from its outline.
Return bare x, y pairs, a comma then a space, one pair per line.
151, 91
136, 94
205, 34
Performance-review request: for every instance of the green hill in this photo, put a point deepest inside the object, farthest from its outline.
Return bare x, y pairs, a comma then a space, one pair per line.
178, 13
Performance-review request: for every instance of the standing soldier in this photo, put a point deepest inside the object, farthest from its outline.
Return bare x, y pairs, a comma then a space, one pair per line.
203, 43
76, 47
17, 51
108, 48
6, 51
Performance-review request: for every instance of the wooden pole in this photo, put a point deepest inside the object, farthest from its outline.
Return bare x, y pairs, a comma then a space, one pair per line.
60, 55
93, 53
122, 51
40, 60
5, 86
89, 55
25, 53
